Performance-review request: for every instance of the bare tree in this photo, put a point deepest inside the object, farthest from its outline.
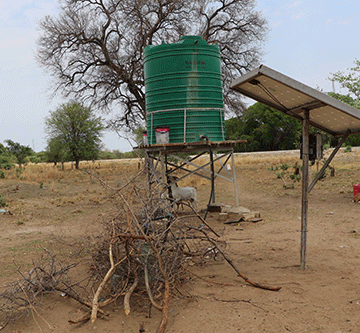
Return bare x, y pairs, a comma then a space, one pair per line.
93, 48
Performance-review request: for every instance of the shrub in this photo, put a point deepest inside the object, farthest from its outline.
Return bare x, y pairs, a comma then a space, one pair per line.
7, 161
33, 159
286, 176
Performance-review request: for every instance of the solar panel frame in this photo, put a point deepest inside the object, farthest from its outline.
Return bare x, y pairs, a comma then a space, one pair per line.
292, 97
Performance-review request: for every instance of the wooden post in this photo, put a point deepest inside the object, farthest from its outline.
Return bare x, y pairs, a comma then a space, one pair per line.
305, 184
162, 168
148, 169
166, 180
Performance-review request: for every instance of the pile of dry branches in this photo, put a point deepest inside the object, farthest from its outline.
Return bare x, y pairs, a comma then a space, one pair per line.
144, 248
147, 247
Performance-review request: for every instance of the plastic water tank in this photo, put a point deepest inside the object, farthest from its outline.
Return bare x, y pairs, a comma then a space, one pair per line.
183, 86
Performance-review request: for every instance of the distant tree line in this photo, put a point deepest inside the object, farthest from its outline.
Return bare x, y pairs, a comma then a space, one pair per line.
264, 128
267, 129
14, 152
73, 134
25, 155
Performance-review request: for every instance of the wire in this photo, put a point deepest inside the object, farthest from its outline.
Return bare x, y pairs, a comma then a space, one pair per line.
258, 83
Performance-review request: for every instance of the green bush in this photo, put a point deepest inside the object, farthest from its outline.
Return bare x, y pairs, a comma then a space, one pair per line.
7, 161
33, 159
288, 178
295, 177
2, 174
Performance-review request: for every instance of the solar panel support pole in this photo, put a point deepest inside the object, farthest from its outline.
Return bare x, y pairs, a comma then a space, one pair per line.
305, 185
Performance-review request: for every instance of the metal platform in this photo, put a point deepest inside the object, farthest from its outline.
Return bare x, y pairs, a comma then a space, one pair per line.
164, 160
185, 147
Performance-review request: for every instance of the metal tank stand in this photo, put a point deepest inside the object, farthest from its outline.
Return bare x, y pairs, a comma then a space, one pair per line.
164, 160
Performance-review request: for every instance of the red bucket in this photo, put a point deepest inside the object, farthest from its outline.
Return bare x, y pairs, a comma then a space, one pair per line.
162, 134
356, 189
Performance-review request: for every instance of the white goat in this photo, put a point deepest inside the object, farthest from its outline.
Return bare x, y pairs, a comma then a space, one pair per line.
183, 193
165, 196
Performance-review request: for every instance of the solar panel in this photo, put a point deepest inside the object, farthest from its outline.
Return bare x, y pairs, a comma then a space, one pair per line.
292, 97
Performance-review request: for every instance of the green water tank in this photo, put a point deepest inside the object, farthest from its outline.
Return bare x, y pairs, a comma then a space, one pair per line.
184, 90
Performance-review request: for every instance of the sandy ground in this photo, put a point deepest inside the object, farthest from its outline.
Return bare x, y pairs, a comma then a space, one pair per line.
323, 298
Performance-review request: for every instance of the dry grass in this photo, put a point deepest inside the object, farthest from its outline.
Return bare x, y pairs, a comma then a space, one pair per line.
266, 158
48, 173
342, 158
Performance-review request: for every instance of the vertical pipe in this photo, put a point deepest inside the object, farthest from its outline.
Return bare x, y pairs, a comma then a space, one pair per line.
185, 125
212, 192
151, 127
212, 175
167, 176
234, 176
162, 168
305, 185
222, 125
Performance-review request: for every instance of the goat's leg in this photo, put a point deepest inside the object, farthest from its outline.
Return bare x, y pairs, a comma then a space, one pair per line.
196, 203
196, 206
178, 203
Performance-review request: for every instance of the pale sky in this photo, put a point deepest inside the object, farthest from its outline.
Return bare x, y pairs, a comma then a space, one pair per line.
308, 40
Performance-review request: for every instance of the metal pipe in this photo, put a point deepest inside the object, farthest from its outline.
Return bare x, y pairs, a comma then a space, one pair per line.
305, 184
185, 125
234, 177
212, 193
151, 129
212, 175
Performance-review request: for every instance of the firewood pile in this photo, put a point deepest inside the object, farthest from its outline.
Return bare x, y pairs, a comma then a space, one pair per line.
145, 249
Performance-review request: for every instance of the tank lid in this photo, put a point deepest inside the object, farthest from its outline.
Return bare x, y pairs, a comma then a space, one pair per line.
192, 40
187, 41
